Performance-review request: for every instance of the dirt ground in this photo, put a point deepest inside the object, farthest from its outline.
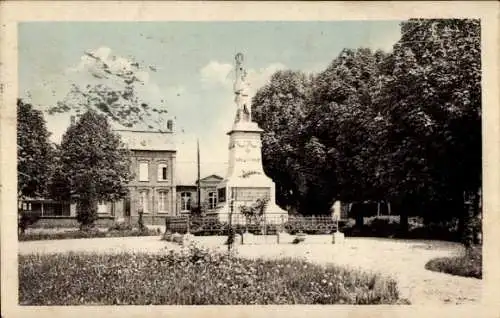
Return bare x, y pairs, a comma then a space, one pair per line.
403, 260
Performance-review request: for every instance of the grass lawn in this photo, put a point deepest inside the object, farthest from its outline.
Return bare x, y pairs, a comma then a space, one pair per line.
467, 265
193, 276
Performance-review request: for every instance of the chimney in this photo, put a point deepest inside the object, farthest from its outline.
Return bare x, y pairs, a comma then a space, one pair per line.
170, 125
72, 119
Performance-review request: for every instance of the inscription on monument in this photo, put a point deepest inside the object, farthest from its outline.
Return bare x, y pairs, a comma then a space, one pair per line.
252, 194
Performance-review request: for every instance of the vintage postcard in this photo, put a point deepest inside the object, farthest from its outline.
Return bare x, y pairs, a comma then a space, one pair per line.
236, 158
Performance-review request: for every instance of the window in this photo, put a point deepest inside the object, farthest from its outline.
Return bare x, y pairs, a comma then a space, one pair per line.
212, 200
162, 172
143, 171
143, 201
102, 207
185, 201
222, 194
162, 201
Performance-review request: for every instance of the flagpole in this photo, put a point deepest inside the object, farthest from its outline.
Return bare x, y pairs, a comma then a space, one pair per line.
198, 161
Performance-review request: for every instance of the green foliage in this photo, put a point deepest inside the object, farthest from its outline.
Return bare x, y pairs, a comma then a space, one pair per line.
27, 218
140, 221
310, 225
121, 226
280, 108
95, 166
403, 127
114, 231
254, 212
431, 96
193, 276
467, 265
34, 152
389, 227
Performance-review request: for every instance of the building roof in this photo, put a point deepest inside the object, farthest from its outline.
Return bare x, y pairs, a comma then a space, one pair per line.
187, 172
147, 140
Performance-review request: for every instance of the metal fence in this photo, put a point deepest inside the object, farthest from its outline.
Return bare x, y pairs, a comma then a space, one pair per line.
269, 225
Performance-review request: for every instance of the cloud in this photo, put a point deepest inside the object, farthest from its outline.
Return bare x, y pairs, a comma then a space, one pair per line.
215, 111
216, 73
260, 77
219, 74
101, 66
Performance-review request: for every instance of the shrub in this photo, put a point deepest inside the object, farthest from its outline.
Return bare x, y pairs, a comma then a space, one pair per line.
467, 265
61, 235
388, 226
27, 218
79, 234
310, 225
120, 226
193, 276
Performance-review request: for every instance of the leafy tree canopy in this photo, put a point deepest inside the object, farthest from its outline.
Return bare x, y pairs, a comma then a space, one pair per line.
95, 166
34, 151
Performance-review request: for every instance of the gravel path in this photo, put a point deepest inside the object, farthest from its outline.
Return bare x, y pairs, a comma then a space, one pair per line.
403, 260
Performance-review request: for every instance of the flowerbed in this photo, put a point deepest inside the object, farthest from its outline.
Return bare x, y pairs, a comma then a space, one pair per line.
193, 276
468, 265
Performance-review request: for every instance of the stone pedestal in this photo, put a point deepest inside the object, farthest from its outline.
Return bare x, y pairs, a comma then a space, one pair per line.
245, 181
338, 238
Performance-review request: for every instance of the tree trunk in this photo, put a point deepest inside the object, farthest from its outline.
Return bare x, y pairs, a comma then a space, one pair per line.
468, 233
389, 207
359, 215
403, 216
87, 212
404, 222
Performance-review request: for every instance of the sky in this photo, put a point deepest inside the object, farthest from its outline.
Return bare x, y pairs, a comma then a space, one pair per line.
190, 68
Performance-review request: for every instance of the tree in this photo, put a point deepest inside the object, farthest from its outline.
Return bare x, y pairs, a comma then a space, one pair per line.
346, 123
34, 152
94, 164
322, 139
280, 108
431, 95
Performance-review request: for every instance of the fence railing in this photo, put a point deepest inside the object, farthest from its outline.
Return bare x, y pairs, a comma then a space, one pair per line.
271, 224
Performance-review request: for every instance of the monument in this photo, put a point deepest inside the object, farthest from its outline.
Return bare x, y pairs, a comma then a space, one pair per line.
245, 181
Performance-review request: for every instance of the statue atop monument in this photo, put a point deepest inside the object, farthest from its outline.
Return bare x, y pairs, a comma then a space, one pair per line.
243, 111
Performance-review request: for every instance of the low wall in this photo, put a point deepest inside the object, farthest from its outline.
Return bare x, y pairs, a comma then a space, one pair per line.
102, 221
69, 222
148, 219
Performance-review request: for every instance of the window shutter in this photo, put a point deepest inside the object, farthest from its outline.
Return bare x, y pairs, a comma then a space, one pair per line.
143, 171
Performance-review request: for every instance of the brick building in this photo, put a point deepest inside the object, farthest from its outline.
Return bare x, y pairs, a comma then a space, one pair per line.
156, 188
